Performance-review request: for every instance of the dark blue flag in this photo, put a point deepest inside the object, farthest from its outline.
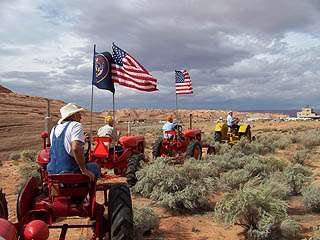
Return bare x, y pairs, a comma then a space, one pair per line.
102, 71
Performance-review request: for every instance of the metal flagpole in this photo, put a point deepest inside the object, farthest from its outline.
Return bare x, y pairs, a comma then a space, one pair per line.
113, 107
93, 79
177, 114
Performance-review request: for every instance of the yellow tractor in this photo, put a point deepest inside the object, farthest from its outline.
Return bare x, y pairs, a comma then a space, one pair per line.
222, 133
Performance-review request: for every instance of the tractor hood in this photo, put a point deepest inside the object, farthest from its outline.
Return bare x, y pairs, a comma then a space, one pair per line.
192, 132
131, 141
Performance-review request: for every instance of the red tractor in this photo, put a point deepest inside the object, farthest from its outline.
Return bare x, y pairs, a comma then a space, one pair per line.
179, 144
124, 158
43, 202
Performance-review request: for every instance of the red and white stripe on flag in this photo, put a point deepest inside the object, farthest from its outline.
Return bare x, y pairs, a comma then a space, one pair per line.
133, 75
184, 87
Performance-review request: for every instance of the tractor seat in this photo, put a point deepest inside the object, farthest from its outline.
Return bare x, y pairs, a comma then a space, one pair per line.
170, 135
69, 185
117, 148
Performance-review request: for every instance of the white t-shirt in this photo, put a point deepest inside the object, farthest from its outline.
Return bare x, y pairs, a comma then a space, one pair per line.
107, 131
74, 132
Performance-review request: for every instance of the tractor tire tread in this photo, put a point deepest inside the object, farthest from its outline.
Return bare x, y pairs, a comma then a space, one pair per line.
120, 213
190, 149
156, 148
133, 166
217, 136
3, 205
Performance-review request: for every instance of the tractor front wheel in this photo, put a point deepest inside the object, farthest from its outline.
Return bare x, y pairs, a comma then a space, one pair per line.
156, 148
217, 136
120, 213
3, 205
194, 150
133, 166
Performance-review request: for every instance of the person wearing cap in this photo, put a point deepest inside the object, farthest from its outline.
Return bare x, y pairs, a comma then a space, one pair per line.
108, 130
67, 145
168, 126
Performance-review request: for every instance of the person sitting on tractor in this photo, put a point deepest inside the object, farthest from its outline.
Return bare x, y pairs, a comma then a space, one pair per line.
232, 122
168, 126
108, 129
67, 145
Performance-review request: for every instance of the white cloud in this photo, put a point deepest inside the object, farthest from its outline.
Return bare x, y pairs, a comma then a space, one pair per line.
237, 52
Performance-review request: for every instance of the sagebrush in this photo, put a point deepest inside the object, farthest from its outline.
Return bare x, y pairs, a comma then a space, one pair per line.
180, 188
145, 220
256, 207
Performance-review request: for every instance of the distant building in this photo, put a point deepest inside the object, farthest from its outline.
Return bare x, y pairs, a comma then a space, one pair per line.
308, 112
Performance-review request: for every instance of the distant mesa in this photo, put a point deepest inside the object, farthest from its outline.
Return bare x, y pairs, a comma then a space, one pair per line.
4, 90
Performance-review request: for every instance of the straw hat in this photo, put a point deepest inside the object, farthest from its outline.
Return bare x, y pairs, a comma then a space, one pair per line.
68, 110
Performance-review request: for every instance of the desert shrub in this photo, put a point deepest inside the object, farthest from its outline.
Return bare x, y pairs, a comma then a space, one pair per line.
29, 155
300, 156
278, 182
297, 177
260, 166
290, 229
255, 207
311, 198
178, 188
15, 156
229, 161
309, 139
261, 146
283, 141
31, 169
145, 220
233, 179
207, 138
221, 148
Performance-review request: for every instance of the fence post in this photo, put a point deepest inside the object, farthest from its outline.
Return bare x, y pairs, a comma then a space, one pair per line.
47, 118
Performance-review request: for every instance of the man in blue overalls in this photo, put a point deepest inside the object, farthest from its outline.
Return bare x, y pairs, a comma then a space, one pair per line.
67, 145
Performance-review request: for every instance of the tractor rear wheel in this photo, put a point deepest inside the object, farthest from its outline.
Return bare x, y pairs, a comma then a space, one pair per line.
217, 136
133, 166
3, 205
194, 150
120, 213
156, 148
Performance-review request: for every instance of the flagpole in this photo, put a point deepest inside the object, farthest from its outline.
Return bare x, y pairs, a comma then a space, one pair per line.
177, 114
93, 79
113, 107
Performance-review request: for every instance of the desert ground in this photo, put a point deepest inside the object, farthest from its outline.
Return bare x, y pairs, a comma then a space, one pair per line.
22, 119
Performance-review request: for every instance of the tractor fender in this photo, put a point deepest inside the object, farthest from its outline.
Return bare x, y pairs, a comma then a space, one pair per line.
36, 230
7, 230
243, 128
218, 127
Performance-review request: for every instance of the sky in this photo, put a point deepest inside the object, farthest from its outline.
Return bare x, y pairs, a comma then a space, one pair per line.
241, 55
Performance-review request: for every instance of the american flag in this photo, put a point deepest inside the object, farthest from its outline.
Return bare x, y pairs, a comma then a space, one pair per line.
183, 82
128, 72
